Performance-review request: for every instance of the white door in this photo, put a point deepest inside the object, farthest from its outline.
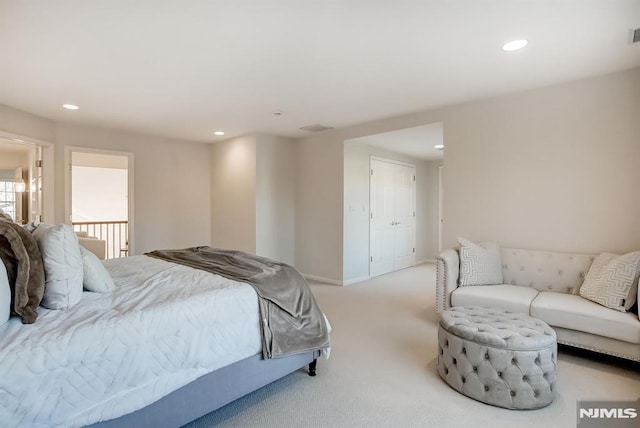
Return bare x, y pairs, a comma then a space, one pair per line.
381, 218
392, 217
404, 229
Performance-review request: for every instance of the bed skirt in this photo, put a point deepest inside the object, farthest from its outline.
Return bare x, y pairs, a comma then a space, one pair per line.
212, 391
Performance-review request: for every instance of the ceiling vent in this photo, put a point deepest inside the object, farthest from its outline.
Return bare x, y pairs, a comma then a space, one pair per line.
636, 35
315, 128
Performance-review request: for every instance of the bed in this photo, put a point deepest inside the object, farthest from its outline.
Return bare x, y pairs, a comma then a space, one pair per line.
169, 344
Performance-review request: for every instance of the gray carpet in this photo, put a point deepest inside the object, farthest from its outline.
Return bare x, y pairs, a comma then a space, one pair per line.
382, 371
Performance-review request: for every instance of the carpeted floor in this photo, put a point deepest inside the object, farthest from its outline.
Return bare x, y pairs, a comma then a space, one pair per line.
382, 371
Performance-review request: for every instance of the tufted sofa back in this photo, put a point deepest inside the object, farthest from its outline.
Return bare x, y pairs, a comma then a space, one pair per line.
545, 270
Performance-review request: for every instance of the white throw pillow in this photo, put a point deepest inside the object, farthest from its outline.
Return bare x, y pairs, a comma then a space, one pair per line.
612, 280
96, 277
5, 295
480, 264
62, 265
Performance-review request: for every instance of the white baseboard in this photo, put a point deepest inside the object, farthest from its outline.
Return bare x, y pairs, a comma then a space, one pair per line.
322, 279
355, 280
425, 261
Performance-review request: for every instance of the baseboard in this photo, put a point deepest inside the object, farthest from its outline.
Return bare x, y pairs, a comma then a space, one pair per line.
322, 279
355, 280
425, 261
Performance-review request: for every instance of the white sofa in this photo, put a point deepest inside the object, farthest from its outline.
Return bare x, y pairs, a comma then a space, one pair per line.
545, 285
93, 244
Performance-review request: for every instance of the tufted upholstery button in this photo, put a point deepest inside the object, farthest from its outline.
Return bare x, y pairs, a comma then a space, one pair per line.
550, 287
513, 282
560, 272
505, 349
581, 274
505, 267
570, 290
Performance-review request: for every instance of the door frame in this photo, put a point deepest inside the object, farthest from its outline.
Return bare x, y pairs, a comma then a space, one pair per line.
415, 196
68, 150
48, 171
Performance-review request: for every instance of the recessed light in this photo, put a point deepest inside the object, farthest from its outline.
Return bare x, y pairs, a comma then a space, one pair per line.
70, 106
439, 146
514, 45
218, 133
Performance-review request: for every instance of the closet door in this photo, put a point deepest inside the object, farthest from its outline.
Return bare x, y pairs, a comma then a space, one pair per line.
392, 217
404, 217
382, 200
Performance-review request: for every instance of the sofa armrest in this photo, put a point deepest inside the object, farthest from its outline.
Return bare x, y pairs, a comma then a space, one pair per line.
96, 246
448, 270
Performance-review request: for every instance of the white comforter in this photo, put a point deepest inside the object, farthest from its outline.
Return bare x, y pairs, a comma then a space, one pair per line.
164, 326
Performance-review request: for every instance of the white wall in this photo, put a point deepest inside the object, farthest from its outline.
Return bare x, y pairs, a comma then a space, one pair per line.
233, 194
275, 198
554, 168
356, 207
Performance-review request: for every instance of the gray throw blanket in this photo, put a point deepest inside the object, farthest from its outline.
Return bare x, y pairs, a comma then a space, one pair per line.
291, 319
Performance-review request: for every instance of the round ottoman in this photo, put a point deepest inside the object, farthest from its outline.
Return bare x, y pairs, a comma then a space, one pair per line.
507, 359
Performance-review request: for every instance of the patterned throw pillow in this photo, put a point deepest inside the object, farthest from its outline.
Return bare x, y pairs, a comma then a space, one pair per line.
480, 264
612, 280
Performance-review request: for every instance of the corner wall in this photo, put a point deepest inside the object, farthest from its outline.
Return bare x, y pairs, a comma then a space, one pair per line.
233, 194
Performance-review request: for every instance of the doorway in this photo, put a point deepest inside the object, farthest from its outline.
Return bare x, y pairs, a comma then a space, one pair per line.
21, 180
99, 203
392, 226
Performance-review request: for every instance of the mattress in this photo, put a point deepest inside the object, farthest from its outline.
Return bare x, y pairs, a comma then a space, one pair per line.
164, 326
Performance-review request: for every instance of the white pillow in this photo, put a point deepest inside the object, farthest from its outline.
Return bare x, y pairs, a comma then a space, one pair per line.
480, 264
96, 277
62, 265
5, 295
612, 280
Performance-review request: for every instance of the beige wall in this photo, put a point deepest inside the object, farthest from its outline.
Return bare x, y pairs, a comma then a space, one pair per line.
26, 124
554, 168
252, 194
172, 184
319, 200
275, 198
233, 194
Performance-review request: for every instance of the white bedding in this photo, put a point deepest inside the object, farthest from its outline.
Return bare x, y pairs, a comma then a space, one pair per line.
164, 326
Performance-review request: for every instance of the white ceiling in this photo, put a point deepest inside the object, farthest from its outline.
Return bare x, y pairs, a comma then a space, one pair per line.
417, 142
185, 68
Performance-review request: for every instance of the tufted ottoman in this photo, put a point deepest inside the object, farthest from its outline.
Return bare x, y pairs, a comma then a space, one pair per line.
503, 358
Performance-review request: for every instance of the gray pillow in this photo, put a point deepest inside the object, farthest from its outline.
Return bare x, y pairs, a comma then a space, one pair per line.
612, 280
480, 264
5, 294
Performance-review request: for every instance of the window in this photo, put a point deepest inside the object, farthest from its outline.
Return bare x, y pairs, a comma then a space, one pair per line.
8, 197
